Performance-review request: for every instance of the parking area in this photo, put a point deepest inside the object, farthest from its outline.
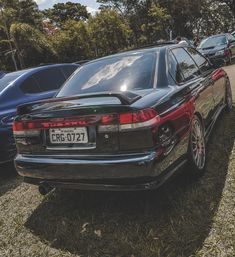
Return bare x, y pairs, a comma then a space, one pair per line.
183, 218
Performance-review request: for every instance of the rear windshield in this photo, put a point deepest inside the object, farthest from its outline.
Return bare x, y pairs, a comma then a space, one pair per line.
213, 41
8, 78
119, 73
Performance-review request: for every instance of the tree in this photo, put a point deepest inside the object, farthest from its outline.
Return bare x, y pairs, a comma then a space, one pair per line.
125, 7
62, 12
215, 18
157, 21
109, 32
230, 4
72, 43
31, 45
184, 13
28, 12
24, 11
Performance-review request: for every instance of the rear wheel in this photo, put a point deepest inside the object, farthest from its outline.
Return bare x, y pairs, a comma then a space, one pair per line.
229, 62
228, 97
197, 148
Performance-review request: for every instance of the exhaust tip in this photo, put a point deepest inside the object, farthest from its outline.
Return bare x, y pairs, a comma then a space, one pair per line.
44, 188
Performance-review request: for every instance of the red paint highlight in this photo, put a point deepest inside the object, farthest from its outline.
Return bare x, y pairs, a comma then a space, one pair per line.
217, 74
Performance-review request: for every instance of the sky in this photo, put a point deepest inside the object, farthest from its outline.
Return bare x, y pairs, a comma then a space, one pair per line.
92, 5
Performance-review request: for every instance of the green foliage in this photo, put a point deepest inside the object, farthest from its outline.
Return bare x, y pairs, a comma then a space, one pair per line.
216, 17
157, 21
25, 11
32, 45
108, 31
72, 42
184, 13
62, 12
120, 24
28, 12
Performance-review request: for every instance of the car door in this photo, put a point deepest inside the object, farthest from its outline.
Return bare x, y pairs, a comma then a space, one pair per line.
199, 84
50, 79
45, 83
216, 81
32, 91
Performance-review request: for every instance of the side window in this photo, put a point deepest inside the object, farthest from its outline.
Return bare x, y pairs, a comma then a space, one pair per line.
174, 68
68, 70
186, 64
50, 79
30, 86
201, 61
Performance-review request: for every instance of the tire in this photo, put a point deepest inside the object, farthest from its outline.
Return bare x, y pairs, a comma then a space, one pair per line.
197, 148
228, 97
229, 62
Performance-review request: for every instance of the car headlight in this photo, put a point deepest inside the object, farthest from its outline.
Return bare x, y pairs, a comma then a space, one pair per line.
221, 52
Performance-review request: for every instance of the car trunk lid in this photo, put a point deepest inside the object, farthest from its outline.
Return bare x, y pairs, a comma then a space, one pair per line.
94, 124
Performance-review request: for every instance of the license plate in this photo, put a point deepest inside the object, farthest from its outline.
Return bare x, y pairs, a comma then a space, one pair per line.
68, 136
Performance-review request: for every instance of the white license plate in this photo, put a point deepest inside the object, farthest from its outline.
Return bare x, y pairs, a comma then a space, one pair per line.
68, 136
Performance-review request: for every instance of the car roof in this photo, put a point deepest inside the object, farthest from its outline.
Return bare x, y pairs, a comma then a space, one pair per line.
48, 66
33, 70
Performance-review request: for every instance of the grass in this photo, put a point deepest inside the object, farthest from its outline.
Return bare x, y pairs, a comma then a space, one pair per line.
182, 218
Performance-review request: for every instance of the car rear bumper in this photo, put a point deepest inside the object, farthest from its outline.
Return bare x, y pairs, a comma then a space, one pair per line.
130, 184
113, 172
74, 167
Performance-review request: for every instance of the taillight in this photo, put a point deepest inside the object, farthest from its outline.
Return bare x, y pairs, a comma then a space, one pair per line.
226, 52
220, 73
26, 128
138, 119
106, 122
19, 127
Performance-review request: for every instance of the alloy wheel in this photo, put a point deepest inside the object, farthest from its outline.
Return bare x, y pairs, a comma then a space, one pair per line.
198, 144
229, 99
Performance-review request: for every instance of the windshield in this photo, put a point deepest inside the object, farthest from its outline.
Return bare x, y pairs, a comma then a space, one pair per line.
8, 78
213, 41
118, 73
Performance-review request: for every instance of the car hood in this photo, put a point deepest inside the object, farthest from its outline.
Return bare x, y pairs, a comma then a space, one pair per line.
212, 50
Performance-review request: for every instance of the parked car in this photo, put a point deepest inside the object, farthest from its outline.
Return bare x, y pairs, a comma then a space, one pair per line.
219, 47
24, 86
2, 73
233, 33
123, 122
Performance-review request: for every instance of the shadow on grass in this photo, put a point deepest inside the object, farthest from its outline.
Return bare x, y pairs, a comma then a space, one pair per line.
171, 221
8, 178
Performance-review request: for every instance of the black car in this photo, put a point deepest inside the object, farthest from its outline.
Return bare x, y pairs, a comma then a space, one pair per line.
219, 47
123, 122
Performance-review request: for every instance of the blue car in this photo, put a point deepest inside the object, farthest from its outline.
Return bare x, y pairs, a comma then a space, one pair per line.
2, 73
25, 86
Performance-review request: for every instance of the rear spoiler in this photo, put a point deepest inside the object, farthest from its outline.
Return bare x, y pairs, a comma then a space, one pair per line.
126, 98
